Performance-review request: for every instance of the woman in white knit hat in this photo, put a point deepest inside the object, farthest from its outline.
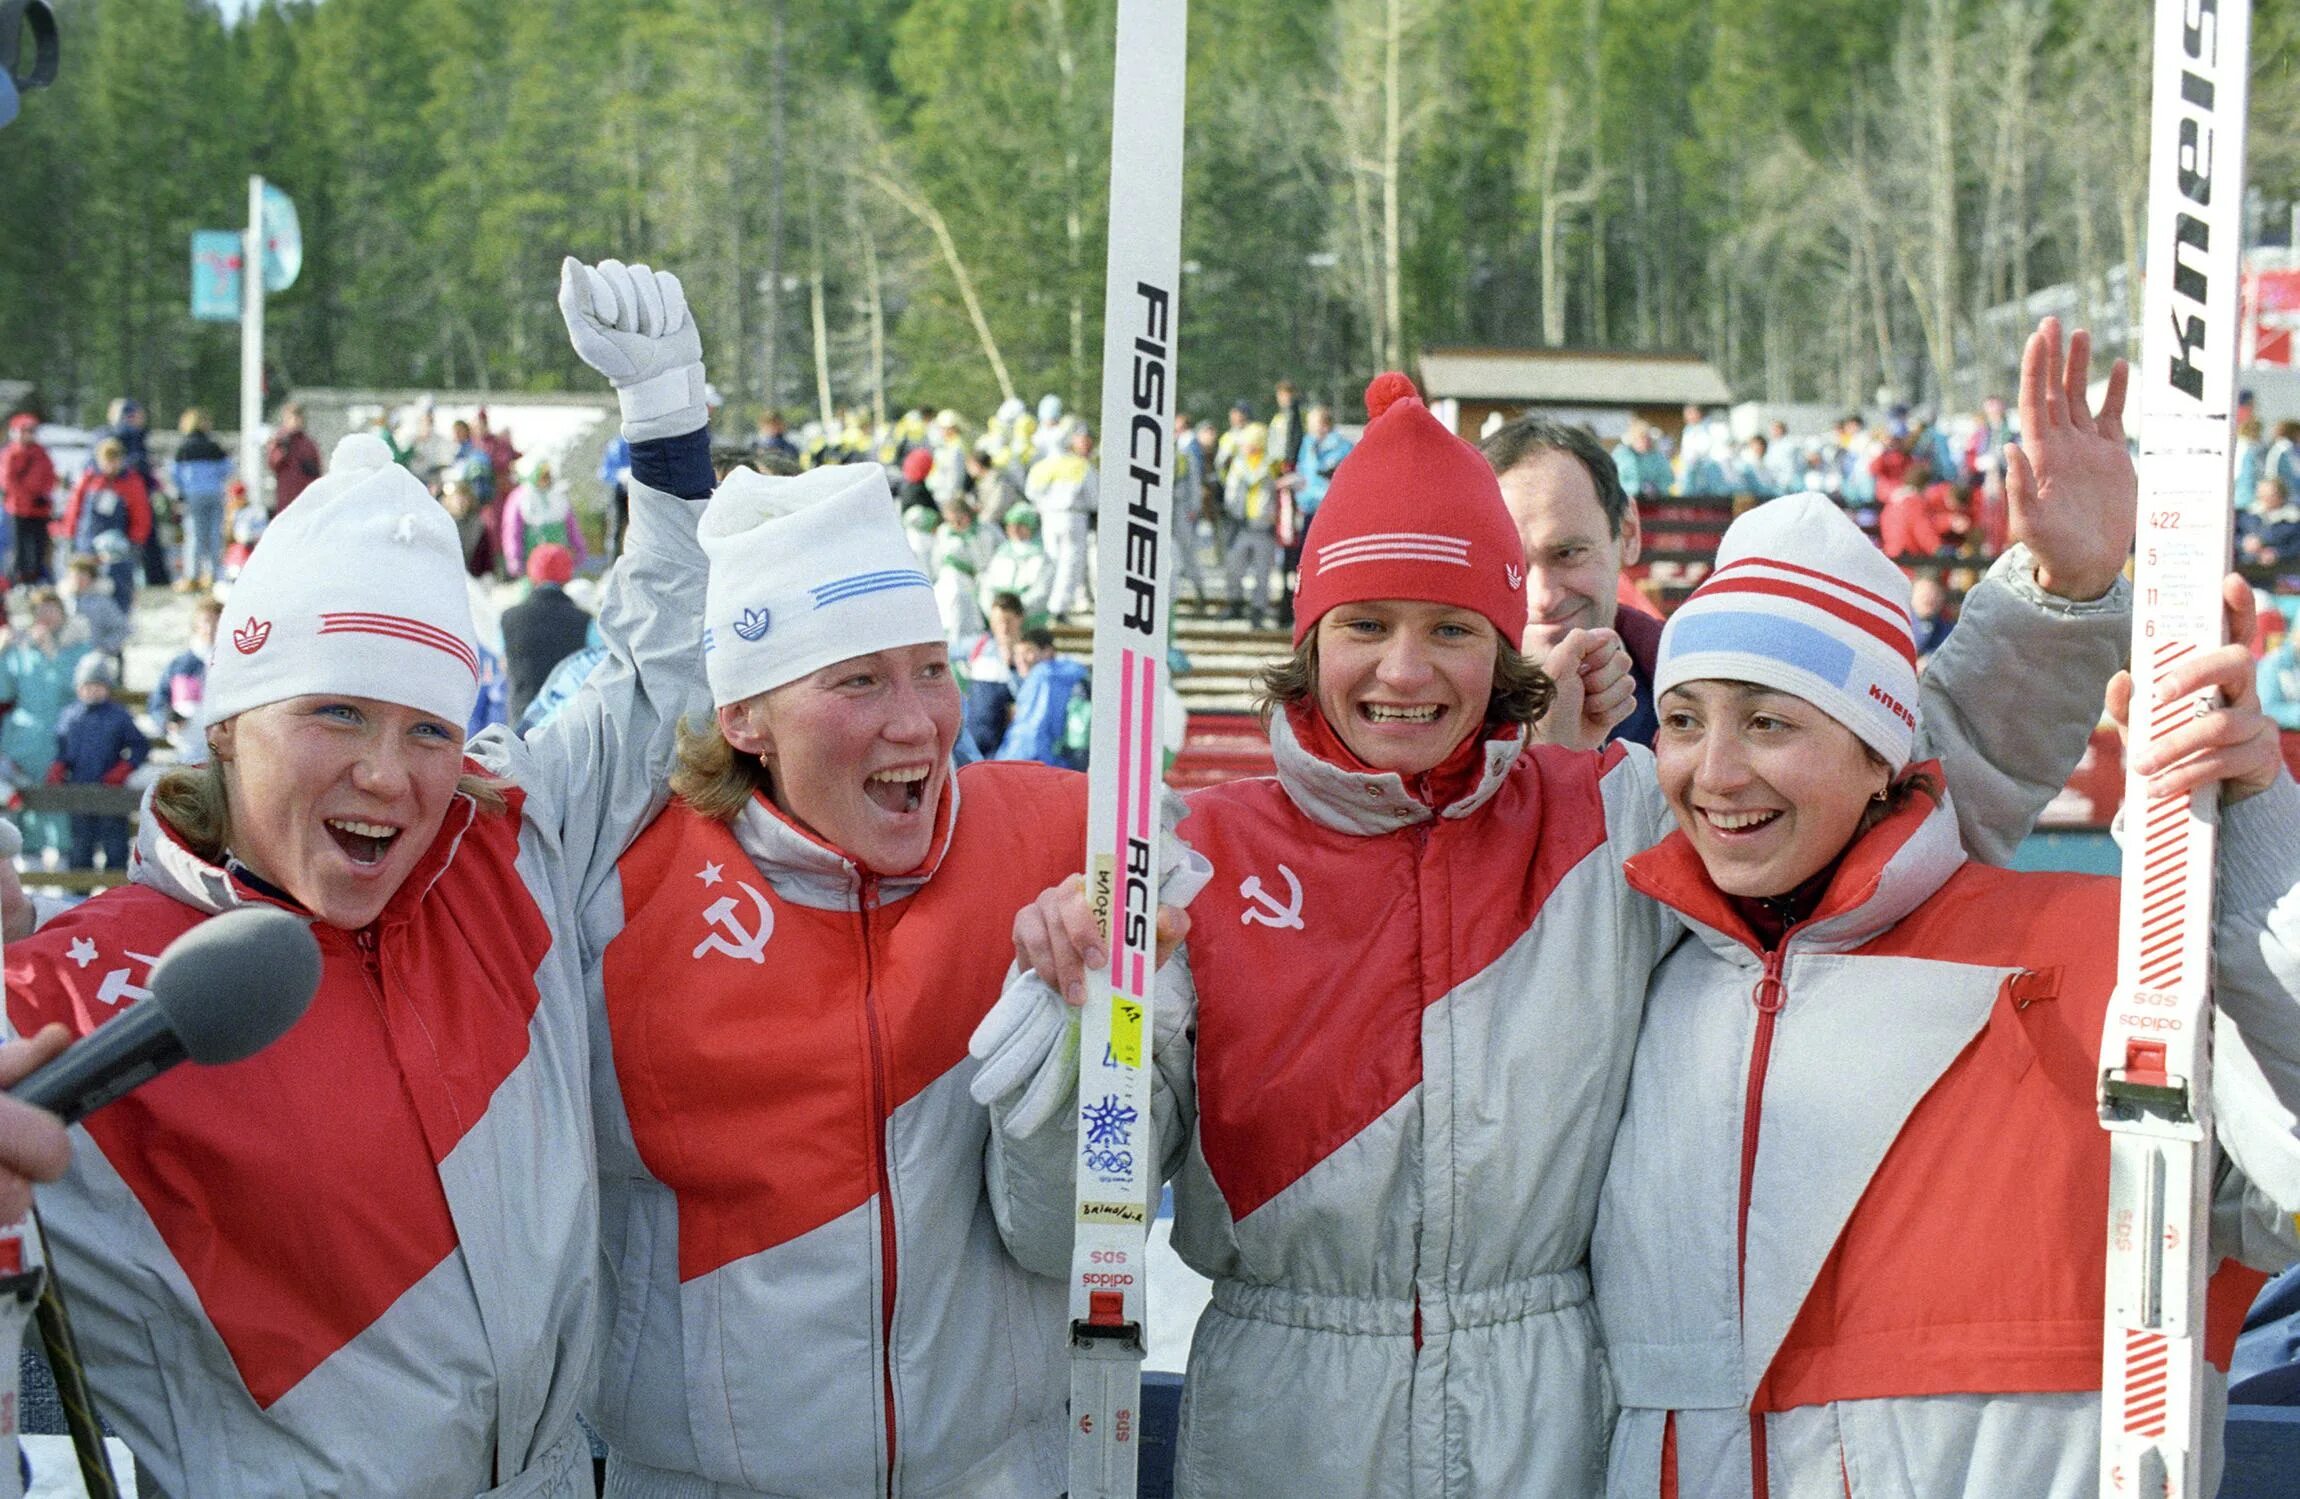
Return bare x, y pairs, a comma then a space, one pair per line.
1852, 1238
812, 1296
365, 1260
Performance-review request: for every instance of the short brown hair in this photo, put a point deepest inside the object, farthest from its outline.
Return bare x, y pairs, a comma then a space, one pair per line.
714, 777
1521, 689
194, 801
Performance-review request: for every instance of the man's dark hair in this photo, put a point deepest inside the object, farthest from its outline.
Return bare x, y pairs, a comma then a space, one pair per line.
1516, 441
1007, 602
1040, 636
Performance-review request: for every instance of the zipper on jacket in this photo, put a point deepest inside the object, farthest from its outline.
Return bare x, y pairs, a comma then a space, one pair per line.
1769, 996
885, 1185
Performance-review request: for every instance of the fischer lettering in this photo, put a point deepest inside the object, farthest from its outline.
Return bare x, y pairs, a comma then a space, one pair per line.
1151, 419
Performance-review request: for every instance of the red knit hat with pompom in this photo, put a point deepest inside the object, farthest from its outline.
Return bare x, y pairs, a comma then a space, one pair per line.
1412, 513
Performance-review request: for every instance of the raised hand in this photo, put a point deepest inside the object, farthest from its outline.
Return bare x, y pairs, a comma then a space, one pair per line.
2069, 482
630, 323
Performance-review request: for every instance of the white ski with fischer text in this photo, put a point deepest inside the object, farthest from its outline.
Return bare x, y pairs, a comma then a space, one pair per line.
1117, 1176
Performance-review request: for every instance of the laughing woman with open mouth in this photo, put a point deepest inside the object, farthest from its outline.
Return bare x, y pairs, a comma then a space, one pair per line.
811, 1299
364, 1261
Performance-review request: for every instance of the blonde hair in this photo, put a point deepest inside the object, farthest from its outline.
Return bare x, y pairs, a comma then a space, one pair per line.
112, 448
714, 777
195, 801
193, 420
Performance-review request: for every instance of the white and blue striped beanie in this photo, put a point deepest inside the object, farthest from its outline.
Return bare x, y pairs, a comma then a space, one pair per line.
1803, 602
806, 571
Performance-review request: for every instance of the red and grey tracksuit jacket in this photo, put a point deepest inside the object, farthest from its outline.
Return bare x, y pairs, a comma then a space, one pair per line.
1851, 1240
808, 1293
1387, 1073
365, 1260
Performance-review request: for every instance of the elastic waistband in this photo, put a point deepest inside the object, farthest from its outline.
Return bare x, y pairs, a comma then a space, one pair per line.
563, 1471
1387, 1316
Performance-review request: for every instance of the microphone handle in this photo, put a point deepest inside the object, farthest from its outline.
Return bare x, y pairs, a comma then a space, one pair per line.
120, 1055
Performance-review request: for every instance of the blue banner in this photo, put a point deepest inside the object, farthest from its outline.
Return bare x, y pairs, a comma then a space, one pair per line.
216, 257
283, 241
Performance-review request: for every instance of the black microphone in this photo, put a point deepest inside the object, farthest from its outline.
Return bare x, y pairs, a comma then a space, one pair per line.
221, 992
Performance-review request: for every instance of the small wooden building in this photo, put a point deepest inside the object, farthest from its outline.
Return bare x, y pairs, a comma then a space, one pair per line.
1601, 387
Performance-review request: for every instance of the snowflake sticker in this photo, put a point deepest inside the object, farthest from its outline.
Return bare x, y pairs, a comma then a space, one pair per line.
1109, 1124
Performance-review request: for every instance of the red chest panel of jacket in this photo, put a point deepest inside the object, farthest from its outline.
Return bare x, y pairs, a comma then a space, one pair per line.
299, 1190
1974, 1261
1315, 953
758, 1091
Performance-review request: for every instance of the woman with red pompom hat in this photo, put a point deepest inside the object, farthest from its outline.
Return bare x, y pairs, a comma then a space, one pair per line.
1392, 1053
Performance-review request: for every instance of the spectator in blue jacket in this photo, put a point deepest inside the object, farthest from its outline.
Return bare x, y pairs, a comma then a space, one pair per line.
1322, 451
201, 470
97, 744
1041, 729
1644, 468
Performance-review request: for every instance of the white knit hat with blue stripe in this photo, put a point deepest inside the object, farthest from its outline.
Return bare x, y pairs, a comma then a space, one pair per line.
806, 571
1803, 602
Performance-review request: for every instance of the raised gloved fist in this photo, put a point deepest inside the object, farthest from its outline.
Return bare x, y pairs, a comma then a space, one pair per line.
630, 323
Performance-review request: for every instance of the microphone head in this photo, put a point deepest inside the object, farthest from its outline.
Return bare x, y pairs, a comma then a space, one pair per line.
232, 985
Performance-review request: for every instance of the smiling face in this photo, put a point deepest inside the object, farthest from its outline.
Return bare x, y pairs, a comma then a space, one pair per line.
1769, 788
859, 751
336, 799
1573, 559
1403, 682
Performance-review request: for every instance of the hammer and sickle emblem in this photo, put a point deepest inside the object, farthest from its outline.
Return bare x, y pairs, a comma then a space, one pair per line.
117, 990
731, 936
1266, 910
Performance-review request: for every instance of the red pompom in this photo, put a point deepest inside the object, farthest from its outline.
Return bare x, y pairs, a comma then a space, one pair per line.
1388, 388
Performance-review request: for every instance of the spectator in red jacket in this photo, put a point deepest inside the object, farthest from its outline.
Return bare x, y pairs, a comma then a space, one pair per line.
111, 500
1924, 517
292, 457
27, 484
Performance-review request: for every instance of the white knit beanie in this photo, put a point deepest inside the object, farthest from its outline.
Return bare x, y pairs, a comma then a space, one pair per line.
357, 589
1802, 602
806, 571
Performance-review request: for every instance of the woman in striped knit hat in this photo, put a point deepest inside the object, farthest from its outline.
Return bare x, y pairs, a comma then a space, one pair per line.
1852, 1237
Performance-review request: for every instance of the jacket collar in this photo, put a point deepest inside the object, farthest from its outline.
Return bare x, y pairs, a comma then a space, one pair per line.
164, 862
1373, 802
805, 870
1888, 872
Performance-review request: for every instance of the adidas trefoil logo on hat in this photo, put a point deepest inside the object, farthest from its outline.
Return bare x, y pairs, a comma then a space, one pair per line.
250, 637
752, 624
1511, 571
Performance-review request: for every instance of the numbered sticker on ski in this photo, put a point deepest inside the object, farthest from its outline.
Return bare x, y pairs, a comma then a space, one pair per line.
1117, 1164
2156, 1053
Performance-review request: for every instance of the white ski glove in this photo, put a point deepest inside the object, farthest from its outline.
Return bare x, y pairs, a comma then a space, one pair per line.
630, 324
1028, 1043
